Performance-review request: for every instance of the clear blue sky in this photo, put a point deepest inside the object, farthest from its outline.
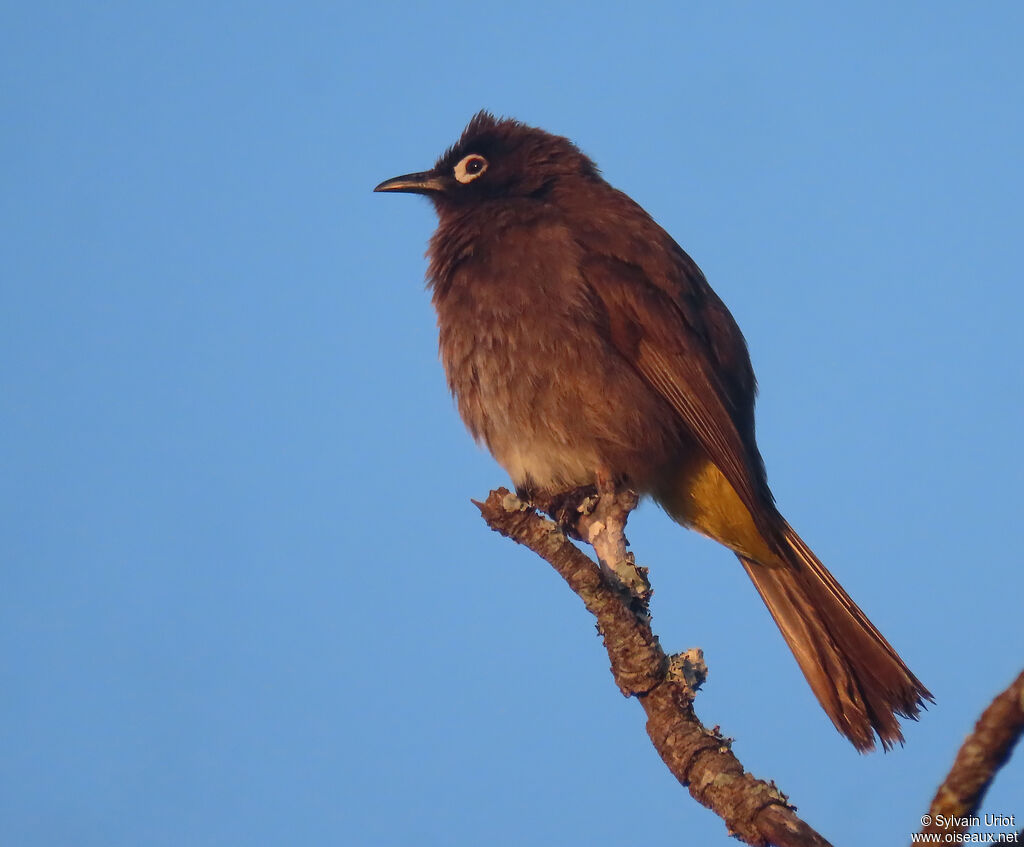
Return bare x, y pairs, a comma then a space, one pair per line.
245, 597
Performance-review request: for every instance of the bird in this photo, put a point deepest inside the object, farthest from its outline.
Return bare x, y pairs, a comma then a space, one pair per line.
581, 343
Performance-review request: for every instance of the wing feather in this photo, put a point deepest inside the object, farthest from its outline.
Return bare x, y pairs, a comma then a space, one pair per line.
666, 340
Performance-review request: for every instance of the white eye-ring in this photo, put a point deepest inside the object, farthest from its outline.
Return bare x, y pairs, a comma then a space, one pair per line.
470, 168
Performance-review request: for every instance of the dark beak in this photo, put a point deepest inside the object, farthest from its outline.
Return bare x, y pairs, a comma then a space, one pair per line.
426, 182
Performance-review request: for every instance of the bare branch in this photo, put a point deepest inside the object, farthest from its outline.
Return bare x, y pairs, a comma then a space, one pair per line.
986, 750
701, 759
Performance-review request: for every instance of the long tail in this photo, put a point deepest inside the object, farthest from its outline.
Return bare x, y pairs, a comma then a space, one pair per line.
859, 679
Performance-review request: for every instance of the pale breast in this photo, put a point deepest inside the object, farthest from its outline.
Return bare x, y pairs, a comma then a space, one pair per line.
535, 379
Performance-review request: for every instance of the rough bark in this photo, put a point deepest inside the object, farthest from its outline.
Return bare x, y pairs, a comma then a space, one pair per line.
616, 593
986, 750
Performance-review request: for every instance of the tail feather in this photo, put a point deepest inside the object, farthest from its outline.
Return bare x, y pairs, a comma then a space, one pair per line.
859, 679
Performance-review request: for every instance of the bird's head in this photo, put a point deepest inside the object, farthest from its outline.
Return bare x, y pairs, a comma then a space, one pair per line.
494, 159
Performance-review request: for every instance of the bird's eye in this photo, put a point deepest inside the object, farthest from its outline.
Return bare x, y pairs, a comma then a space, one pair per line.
470, 168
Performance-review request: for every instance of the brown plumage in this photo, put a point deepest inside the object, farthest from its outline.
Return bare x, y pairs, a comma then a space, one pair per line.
580, 340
